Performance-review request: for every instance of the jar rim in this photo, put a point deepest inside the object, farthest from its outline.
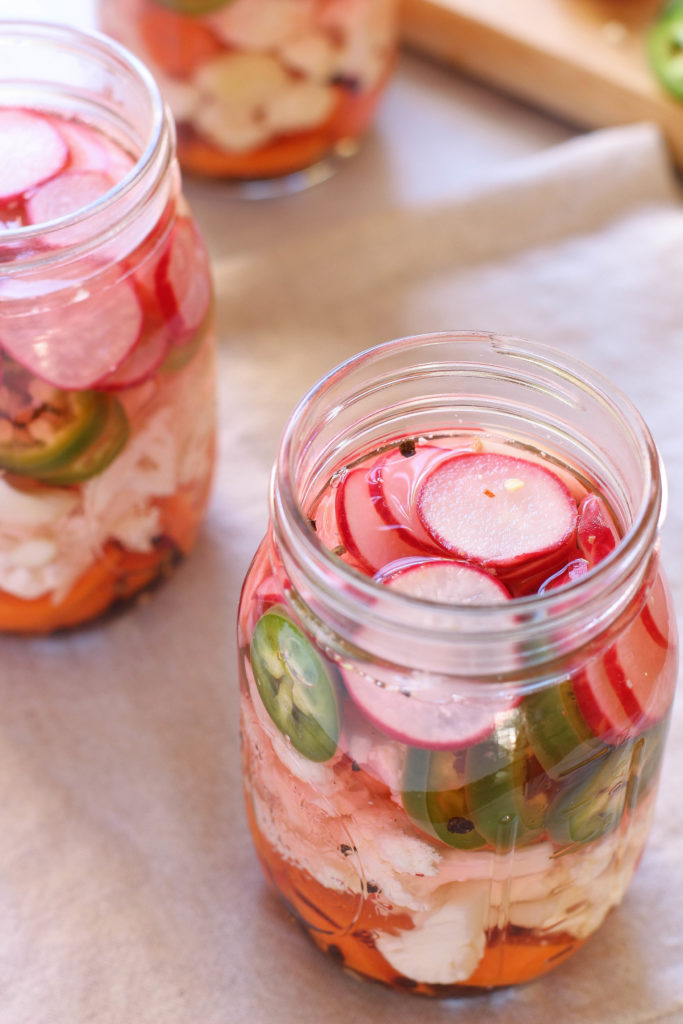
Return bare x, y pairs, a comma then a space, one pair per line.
93, 44
342, 586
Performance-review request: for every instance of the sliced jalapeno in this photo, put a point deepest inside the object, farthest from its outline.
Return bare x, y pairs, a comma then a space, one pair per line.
648, 751
195, 7
101, 450
592, 804
665, 48
298, 690
560, 738
53, 433
500, 792
434, 796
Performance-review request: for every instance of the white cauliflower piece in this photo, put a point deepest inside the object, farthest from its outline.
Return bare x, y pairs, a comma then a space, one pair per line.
300, 106
313, 54
446, 943
262, 26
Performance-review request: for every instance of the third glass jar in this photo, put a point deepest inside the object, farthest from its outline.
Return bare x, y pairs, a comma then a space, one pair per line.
457, 658
263, 89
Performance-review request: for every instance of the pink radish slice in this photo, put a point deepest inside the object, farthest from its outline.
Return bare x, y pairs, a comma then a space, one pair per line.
66, 194
394, 483
430, 716
87, 149
433, 717
599, 704
497, 510
146, 357
76, 344
31, 152
365, 535
182, 280
595, 533
574, 570
438, 579
642, 673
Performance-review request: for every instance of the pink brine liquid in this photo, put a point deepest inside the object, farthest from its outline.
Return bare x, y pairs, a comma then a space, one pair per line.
106, 379
432, 841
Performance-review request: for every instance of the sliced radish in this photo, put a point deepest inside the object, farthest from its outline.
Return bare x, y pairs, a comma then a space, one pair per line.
146, 357
599, 704
87, 149
438, 579
395, 480
430, 715
76, 344
424, 714
365, 535
574, 570
642, 673
497, 510
68, 193
596, 534
183, 281
31, 152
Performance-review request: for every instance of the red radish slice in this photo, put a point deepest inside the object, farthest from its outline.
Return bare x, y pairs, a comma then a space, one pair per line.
599, 704
69, 193
437, 579
87, 148
183, 282
365, 535
423, 714
574, 570
642, 673
146, 357
430, 715
74, 345
596, 535
31, 152
497, 510
394, 484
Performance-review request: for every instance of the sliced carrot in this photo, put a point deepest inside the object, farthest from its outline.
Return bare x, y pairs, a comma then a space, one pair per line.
354, 112
116, 575
177, 43
89, 596
180, 518
510, 962
285, 155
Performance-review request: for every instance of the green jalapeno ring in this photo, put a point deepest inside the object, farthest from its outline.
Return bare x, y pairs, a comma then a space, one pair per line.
194, 7
497, 770
85, 415
299, 691
665, 48
100, 451
434, 797
592, 804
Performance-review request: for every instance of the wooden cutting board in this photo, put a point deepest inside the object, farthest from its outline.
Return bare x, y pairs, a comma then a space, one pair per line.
584, 60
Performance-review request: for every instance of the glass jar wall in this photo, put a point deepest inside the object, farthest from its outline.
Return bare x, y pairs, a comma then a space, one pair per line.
452, 734
106, 338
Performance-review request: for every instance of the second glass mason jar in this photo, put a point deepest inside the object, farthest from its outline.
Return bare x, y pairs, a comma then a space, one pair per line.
457, 658
263, 89
106, 336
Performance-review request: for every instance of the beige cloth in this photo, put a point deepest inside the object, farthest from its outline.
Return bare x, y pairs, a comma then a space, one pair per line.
129, 892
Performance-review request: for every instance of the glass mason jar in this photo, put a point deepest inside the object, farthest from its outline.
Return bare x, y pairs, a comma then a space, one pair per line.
263, 89
450, 768
106, 338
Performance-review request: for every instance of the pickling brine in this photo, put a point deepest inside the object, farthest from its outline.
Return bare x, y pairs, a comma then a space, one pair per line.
262, 89
458, 657
106, 341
